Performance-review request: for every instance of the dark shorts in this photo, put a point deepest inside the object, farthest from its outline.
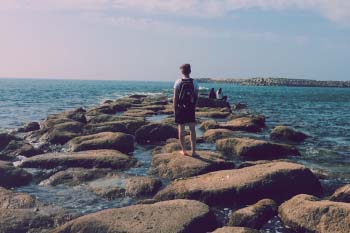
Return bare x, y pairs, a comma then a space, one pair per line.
184, 116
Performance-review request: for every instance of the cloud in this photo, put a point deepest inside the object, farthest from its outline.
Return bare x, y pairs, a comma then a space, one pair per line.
334, 10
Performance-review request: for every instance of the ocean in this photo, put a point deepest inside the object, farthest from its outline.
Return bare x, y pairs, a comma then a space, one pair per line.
322, 113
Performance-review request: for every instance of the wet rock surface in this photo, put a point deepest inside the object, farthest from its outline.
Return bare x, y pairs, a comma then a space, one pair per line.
11, 176
305, 213
276, 180
175, 165
155, 132
254, 216
106, 140
235, 230
169, 216
86, 159
342, 194
284, 133
252, 149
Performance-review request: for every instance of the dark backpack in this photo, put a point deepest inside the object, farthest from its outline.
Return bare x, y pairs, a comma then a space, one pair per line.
187, 95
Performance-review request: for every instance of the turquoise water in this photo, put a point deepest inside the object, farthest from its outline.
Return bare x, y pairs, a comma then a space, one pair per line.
323, 113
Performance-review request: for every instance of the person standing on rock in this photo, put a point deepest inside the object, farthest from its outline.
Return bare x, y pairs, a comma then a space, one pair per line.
185, 101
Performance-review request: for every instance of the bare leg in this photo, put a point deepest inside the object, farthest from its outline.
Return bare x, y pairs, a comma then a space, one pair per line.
182, 139
192, 127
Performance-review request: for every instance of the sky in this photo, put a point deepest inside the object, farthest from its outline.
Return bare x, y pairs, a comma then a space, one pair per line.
150, 39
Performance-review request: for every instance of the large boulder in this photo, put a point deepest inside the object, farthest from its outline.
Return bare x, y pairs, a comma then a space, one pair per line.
107, 140
11, 176
235, 230
305, 213
5, 139
139, 112
16, 148
204, 102
169, 216
155, 132
212, 135
13, 200
209, 124
175, 165
276, 180
87, 159
30, 126
284, 133
61, 133
252, 149
138, 186
247, 123
113, 126
254, 216
342, 194
76, 176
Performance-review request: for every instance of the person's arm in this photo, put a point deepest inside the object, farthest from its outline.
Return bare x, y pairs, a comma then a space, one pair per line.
175, 98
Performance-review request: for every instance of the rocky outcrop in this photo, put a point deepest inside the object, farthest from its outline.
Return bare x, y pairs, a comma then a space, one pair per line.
29, 127
169, 216
209, 124
284, 133
5, 139
87, 159
17, 147
76, 176
342, 194
174, 165
155, 132
107, 140
252, 149
113, 126
248, 123
305, 213
139, 186
254, 216
11, 176
276, 180
14, 200
212, 135
235, 230
213, 114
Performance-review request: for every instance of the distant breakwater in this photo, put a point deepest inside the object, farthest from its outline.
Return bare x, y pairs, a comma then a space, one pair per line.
279, 82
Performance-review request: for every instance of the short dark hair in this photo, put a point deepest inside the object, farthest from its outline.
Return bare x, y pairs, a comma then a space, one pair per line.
186, 68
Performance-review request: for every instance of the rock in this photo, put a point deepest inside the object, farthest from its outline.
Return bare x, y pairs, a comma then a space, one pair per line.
20, 212
14, 200
113, 126
11, 176
250, 124
252, 149
169, 216
138, 96
31, 126
63, 132
174, 165
155, 132
139, 186
277, 180
76, 176
209, 124
213, 114
342, 194
285, 133
235, 230
139, 113
76, 115
117, 141
5, 139
16, 148
254, 216
305, 213
212, 135
240, 106
153, 107
87, 159
211, 103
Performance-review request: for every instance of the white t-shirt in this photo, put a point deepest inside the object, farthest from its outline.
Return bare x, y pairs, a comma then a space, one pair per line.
219, 96
178, 83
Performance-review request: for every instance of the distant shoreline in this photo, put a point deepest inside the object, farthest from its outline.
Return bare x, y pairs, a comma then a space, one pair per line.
278, 82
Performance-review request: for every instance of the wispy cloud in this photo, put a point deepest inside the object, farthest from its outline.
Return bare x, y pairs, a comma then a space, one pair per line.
335, 10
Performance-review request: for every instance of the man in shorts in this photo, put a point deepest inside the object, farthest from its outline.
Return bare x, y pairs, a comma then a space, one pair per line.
185, 101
